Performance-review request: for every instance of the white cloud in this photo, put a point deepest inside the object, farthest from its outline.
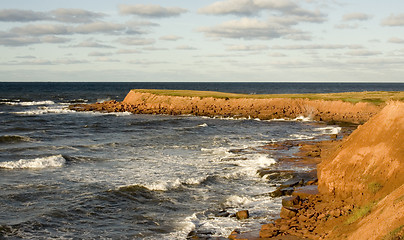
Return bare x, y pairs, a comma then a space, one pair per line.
41, 29
185, 47
146, 62
357, 16
363, 53
283, 15
394, 20
61, 15
247, 48
127, 51
152, 11
99, 27
253, 7
170, 38
248, 28
91, 44
99, 54
277, 54
318, 46
396, 40
70, 15
136, 41
347, 26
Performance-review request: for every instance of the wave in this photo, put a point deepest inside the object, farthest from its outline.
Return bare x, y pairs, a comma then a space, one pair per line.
33, 103
168, 185
329, 130
14, 139
249, 166
36, 163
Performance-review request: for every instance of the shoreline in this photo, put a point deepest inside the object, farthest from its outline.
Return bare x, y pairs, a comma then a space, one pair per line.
345, 206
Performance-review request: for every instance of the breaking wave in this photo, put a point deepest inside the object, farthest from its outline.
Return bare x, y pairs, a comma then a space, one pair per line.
36, 163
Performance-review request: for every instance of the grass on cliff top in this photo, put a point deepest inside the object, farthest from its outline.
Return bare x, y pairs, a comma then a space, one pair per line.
353, 97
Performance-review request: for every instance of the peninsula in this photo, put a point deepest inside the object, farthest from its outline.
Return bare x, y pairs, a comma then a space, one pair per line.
360, 181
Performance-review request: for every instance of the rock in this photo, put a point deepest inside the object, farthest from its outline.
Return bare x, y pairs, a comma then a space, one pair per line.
222, 214
290, 201
243, 214
282, 192
287, 213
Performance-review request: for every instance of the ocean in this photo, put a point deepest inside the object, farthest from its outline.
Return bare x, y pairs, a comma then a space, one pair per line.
90, 175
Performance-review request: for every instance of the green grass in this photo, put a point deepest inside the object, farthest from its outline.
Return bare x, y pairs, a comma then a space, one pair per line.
394, 235
374, 187
359, 213
376, 98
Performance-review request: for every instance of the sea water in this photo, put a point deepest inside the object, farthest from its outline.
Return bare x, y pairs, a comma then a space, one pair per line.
87, 175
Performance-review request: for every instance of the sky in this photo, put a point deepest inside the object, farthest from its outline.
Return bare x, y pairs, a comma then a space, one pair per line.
202, 40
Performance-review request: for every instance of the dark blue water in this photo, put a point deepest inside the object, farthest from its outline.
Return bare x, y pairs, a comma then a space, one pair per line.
117, 91
85, 175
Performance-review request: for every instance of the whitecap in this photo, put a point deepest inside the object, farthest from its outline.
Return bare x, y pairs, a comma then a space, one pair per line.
36, 163
203, 125
33, 103
329, 130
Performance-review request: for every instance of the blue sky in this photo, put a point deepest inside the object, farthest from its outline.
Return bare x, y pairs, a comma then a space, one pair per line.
195, 40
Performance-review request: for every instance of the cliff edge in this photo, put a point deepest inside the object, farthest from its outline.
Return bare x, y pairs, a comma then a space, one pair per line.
368, 170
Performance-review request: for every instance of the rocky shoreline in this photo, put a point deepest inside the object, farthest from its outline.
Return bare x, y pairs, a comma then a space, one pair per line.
360, 181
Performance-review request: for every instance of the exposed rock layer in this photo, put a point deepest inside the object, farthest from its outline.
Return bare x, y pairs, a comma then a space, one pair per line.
147, 103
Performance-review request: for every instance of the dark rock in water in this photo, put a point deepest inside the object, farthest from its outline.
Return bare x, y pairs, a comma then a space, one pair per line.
222, 214
276, 175
243, 214
236, 150
282, 192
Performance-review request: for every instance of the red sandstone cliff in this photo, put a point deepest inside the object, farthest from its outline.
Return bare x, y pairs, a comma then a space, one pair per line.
329, 111
367, 170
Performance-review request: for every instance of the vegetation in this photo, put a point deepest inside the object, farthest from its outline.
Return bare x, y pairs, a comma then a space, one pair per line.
359, 213
376, 98
396, 234
374, 187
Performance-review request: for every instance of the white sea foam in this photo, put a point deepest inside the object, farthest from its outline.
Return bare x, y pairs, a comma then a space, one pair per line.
203, 125
329, 130
45, 110
33, 103
173, 184
250, 166
302, 119
236, 201
302, 136
36, 163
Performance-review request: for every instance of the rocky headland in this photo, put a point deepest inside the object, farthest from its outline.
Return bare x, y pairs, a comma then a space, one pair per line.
359, 189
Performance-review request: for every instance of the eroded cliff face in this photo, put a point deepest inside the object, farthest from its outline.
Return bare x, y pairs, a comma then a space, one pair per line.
368, 170
329, 111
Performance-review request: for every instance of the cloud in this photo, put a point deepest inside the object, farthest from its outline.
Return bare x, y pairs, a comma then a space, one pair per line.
60, 15
363, 53
318, 46
170, 38
394, 20
356, 17
136, 41
276, 54
146, 62
396, 40
185, 47
285, 14
99, 54
46, 62
127, 51
248, 28
91, 44
288, 9
99, 27
70, 15
41, 29
247, 48
151, 11
347, 26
